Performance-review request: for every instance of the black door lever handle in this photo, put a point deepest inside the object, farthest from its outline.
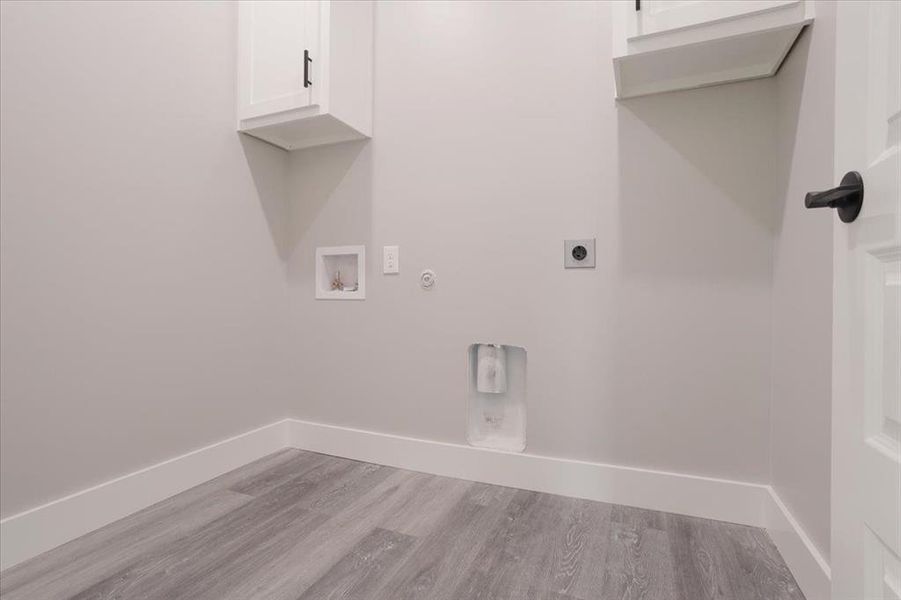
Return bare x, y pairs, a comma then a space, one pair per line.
831, 198
847, 198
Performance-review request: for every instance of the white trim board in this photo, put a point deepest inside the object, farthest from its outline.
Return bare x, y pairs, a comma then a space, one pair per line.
34, 531
706, 497
811, 570
29, 533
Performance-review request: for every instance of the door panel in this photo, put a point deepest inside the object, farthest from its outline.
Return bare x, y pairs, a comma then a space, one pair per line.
277, 46
883, 575
273, 36
866, 521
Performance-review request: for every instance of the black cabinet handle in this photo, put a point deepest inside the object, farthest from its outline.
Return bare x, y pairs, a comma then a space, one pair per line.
306, 69
847, 198
637, 4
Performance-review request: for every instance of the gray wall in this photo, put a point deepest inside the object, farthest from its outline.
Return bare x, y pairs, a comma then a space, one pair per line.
142, 301
802, 281
144, 248
496, 137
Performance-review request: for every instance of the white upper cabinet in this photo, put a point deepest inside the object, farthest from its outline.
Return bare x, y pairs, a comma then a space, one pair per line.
305, 71
666, 45
274, 37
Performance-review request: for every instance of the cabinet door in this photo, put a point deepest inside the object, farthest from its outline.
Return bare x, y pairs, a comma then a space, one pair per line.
272, 38
658, 16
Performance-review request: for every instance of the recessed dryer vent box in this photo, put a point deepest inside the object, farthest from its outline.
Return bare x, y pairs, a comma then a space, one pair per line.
497, 418
341, 273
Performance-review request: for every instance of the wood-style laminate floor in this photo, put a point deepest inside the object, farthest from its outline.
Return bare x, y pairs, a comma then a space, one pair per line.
298, 525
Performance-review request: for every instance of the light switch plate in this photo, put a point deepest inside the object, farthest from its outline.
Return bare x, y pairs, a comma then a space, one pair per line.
390, 259
578, 254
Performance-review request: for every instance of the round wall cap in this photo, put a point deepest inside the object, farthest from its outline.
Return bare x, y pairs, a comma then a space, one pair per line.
427, 279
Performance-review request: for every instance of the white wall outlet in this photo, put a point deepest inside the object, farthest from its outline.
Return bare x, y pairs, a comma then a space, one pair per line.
390, 259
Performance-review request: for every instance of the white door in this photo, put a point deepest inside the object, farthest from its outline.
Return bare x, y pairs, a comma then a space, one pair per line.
278, 60
657, 16
866, 427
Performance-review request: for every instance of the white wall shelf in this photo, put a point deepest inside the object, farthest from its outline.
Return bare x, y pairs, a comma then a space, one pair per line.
668, 45
305, 71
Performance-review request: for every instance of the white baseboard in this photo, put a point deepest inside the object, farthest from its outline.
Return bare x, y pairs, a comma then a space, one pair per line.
39, 529
706, 497
810, 569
